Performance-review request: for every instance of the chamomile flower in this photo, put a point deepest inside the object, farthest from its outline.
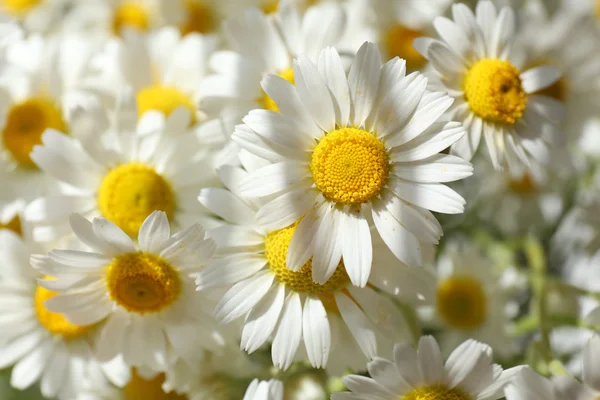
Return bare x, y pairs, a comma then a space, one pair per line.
478, 62
126, 173
42, 345
345, 150
141, 296
469, 373
287, 34
264, 390
334, 317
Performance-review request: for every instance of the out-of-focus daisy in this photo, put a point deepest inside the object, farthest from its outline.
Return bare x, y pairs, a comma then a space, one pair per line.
528, 385
36, 15
469, 300
469, 373
264, 390
344, 150
11, 217
142, 295
478, 62
42, 345
155, 165
288, 306
279, 38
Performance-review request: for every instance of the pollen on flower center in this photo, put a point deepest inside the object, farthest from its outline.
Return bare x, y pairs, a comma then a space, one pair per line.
436, 392
55, 323
267, 102
200, 18
461, 302
494, 91
276, 249
149, 389
350, 166
131, 192
142, 282
130, 14
164, 99
18, 7
25, 124
398, 42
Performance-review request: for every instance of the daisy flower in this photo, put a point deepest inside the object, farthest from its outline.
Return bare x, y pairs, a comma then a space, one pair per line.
469, 373
279, 38
264, 390
126, 173
348, 149
36, 15
41, 345
334, 317
479, 64
141, 296
528, 385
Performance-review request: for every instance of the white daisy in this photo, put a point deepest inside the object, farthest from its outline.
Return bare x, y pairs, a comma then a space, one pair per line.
261, 45
478, 62
264, 390
469, 373
142, 295
42, 345
288, 306
36, 15
344, 150
125, 173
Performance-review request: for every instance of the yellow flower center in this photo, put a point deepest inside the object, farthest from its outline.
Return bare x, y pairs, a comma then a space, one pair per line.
25, 124
164, 99
398, 42
131, 192
13, 225
200, 18
494, 91
461, 302
267, 102
142, 282
436, 392
148, 389
130, 14
18, 7
524, 185
350, 166
598, 14
276, 249
270, 7
55, 323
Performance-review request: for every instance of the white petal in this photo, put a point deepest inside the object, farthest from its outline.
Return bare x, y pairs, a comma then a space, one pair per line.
30, 368
385, 373
431, 363
331, 68
112, 235
363, 80
539, 78
468, 144
56, 372
431, 196
226, 205
316, 331
357, 249
300, 249
436, 138
243, 296
273, 178
53, 208
262, 319
328, 253
84, 231
154, 232
359, 325
285, 209
288, 334
437, 168
591, 362
229, 270
314, 94
405, 358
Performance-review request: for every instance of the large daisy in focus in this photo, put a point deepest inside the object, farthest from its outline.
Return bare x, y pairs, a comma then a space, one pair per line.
336, 322
127, 172
142, 295
478, 63
345, 150
468, 373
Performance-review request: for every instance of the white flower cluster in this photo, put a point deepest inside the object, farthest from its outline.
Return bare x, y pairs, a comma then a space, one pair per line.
299, 199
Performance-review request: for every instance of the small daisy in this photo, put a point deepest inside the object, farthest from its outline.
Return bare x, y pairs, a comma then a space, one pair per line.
469, 373
141, 295
42, 345
36, 15
264, 390
127, 173
344, 150
263, 44
479, 64
288, 306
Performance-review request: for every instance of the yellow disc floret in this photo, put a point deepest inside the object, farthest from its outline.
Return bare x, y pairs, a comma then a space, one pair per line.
164, 99
13, 225
398, 42
524, 185
130, 14
55, 323
494, 91
270, 6
276, 249
142, 282
131, 192
148, 389
267, 102
200, 18
25, 124
461, 302
350, 166
18, 7
436, 392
